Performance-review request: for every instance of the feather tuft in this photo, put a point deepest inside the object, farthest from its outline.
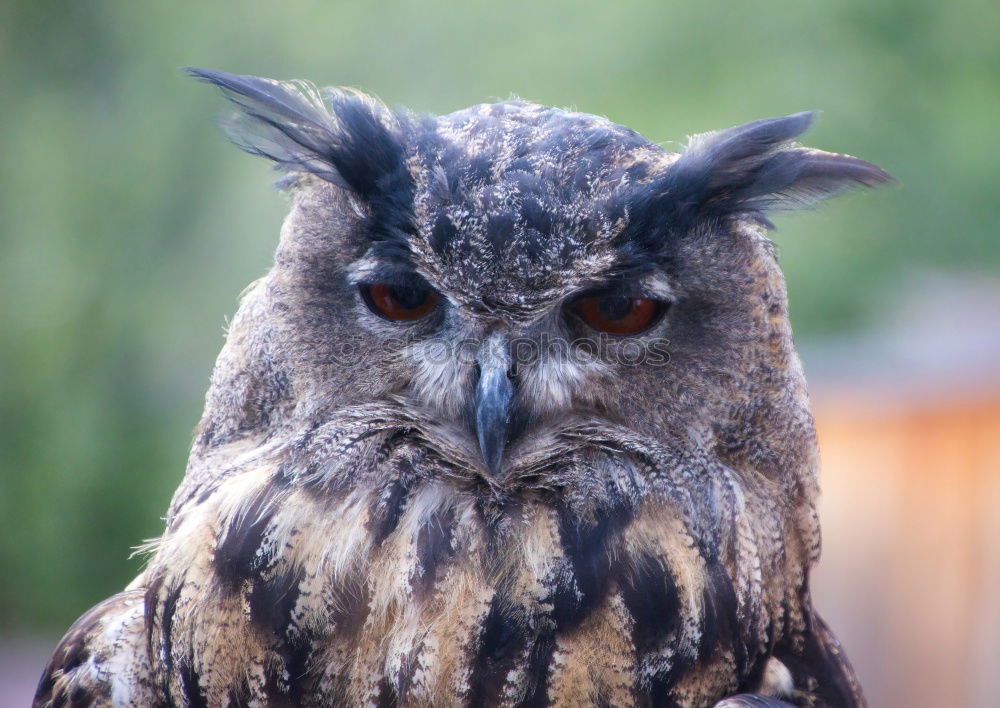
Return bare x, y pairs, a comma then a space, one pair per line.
342, 136
750, 170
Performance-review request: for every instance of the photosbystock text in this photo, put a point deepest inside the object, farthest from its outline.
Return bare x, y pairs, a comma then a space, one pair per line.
524, 351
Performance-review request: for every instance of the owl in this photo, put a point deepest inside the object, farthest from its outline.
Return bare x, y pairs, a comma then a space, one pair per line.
514, 419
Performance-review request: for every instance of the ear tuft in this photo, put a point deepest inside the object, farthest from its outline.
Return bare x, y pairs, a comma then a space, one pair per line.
754, 169
342, 136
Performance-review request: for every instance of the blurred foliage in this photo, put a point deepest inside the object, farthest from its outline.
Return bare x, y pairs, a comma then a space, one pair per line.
128, 226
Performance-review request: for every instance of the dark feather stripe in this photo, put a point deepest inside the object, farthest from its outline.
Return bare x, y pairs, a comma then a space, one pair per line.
152, 609
190, 681
504, 637
387, 696
167, 612
539, 665
589, 550
296, 653
278, 690
386, 512
720, 622
271, 600
650, 596
236, 556
433, 546
151, 602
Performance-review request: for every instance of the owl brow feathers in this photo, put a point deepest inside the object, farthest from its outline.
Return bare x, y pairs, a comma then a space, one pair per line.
745, 171
341, 136
353, 141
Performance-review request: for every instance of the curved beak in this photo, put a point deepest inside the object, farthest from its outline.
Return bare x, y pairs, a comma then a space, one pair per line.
494, 392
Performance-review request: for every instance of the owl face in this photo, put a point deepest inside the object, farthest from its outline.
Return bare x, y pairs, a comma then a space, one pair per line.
511, 272
510, 306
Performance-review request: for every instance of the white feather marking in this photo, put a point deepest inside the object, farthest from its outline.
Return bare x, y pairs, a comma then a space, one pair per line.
122, 633
441, 376
777, 680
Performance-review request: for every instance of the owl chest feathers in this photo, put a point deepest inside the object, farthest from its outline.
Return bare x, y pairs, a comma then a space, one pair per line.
605, 579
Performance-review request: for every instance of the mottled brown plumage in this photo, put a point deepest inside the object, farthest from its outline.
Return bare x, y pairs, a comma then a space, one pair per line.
416, 513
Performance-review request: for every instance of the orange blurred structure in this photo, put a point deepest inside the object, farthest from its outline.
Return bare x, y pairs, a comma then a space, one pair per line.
910, 574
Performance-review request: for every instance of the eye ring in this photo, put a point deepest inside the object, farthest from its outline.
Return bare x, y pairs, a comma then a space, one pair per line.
619, 315
399, 303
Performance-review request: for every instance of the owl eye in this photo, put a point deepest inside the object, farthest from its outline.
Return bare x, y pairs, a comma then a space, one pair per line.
399, 303
618, 314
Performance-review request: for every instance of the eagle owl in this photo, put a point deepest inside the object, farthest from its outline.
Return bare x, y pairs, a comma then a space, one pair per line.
514, 419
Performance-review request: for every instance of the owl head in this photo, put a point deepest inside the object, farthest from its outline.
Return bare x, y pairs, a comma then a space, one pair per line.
511, 283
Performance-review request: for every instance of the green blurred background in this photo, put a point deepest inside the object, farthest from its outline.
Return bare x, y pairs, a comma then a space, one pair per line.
128, 226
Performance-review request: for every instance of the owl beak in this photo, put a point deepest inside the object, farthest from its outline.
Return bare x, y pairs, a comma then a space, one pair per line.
494, 392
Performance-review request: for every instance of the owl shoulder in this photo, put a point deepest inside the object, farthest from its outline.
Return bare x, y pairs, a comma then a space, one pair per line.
103, 659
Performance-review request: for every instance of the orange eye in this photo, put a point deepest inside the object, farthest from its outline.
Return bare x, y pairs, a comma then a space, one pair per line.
399, 303
619, 315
